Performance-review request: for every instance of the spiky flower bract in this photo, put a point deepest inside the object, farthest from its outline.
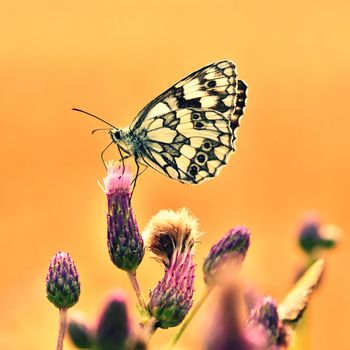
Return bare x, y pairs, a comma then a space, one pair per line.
62, 281
113, 329
124, 241
229, 251
171, 236
171, 299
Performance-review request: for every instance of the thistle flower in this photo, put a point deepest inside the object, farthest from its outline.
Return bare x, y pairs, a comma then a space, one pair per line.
229, 252
80, 333
226, 331
113, 329
62, 281
312, 235
125, 244
265, 317
171, 299
171, 236
170, 232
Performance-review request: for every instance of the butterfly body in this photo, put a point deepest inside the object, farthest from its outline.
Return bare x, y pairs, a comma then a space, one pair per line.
188, 132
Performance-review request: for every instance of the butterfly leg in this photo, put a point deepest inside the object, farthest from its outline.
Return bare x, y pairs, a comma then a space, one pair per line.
123, 157
138, 174
102, 153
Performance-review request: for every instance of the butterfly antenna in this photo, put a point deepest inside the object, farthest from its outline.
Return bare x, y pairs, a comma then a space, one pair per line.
93, 131
94, 116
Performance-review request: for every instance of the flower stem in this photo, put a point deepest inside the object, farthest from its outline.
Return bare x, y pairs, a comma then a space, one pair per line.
135, 284
189, 318
62, 327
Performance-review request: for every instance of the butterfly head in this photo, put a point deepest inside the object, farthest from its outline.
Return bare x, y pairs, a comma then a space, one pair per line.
116, 135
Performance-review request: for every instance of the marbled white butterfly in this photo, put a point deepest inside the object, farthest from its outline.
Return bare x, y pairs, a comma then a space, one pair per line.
187, 133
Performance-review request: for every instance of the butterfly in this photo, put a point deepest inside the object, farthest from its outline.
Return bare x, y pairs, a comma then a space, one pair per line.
187, 133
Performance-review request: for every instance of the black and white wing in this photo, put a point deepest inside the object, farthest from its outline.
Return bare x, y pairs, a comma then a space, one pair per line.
187, 132
213, 87
190, 144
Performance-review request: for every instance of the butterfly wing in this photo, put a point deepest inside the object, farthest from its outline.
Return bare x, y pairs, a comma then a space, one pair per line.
213, 87
294, 304
190, 145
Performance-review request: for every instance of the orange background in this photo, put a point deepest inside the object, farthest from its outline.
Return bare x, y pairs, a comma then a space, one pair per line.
111, 58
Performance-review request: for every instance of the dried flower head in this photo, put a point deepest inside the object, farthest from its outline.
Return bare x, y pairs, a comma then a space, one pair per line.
124, 241
62, 281
171, 299
170, 232
113, 329
313, 235
229, 252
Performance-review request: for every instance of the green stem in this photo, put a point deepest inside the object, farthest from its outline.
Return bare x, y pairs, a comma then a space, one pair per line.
141, 300
62, 327
189, 318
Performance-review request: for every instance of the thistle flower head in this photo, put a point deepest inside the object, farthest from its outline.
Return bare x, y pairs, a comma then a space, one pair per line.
112, 328
265, 317
171, 299
62, 281
313, 235
226, 331
124, 241
229, 252
171, 232
118, 179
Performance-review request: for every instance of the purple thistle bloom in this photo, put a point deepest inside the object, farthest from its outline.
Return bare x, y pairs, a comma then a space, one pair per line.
313, 236
124, 241
265, 317
113, 329
171, 299
62, 281
226, 330
229, 251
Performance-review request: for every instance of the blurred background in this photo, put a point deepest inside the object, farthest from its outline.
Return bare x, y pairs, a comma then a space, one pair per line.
113, 57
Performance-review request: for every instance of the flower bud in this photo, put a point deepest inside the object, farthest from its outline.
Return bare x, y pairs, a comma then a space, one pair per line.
62, 281
265, 317
124, 241
313, 236
229, 252
112, 330
80, 334
171, 299
226, 328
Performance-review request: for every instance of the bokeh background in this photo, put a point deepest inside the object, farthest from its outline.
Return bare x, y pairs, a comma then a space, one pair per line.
111, 58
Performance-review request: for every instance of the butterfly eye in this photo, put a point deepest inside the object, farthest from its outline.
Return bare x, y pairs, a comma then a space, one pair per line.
116, 135
194, 169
